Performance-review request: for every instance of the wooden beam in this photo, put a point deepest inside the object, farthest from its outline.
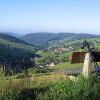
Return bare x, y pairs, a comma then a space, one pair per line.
78, 57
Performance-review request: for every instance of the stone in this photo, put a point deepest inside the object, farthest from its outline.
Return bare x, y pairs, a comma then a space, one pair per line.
87, 67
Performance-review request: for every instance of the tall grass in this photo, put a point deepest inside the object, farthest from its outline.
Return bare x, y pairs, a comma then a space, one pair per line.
12, 89
80, 89
50, 87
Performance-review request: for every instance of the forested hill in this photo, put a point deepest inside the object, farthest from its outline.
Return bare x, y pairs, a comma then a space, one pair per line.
14, 42
15, 53
11, 38
42, 39
39, 39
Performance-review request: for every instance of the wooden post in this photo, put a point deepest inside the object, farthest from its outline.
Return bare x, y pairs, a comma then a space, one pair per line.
87, 67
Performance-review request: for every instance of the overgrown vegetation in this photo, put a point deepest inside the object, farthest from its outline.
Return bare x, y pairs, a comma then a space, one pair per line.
15, 54
50, 87
80, 89
38, 80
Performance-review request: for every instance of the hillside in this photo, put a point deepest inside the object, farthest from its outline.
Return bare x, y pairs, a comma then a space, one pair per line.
14, 42
15, 34
39, 39
11, 38
15, 54
42, 39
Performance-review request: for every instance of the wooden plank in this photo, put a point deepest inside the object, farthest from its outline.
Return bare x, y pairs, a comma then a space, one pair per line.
78, 57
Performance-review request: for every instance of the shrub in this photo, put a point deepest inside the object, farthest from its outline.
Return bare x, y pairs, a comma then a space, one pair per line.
81, 89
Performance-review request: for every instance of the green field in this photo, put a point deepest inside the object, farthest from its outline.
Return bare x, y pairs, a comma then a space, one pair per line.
49, 87
46, 54
66, 65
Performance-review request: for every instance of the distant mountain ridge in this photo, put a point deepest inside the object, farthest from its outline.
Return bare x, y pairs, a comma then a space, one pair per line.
12, 34
11, 38
42, 39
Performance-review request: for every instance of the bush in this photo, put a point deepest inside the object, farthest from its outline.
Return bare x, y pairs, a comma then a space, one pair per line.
43, 70
81, 89
20, 75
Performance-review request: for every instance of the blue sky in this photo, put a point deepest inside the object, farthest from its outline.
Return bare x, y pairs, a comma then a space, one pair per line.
25, 16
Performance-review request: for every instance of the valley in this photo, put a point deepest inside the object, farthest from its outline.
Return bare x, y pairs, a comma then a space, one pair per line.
32, 70
49, 49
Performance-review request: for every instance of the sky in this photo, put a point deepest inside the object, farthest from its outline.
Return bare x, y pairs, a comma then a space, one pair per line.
27, 16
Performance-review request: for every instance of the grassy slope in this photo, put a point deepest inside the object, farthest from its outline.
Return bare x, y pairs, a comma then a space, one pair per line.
46, 54
35, 81
16, 45
60, 43
66, 65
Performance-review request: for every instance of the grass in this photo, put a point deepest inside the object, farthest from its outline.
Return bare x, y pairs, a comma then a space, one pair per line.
11, 88
17, 45
66, 65
36, 80
49, 87
46, 54
81, 89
